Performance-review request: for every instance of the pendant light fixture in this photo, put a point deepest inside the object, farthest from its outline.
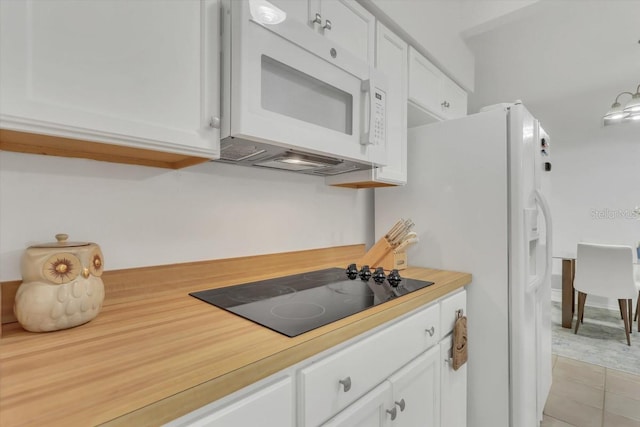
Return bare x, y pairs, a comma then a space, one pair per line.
619, 114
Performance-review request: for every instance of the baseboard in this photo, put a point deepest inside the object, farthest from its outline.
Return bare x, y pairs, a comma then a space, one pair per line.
592, 301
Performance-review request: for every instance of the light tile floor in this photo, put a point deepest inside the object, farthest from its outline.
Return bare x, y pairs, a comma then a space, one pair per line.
586, 395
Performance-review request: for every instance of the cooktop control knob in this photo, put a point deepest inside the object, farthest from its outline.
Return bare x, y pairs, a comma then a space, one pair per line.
394, 278
379, 276
365, 273
352, 272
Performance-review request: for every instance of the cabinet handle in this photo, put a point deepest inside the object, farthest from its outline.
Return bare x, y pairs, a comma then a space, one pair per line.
346, 384
393, 412
446, 104
431, 331
214, 122
327, 25
318, 19
401, 404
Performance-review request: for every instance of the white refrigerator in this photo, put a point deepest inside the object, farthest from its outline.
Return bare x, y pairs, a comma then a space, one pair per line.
475, 192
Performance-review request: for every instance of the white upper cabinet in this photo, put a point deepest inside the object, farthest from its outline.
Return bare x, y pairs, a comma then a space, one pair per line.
432, 92
344, 22
391, 59
348, 24
128, 73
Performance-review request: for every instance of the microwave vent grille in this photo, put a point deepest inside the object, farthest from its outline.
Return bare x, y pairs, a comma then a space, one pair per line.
239, 152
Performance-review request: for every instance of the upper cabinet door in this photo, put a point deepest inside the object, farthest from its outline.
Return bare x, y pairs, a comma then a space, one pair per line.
431, 91
391, 59
424, 82
454, 100
344, 22
348, 24
296, 9
134, 73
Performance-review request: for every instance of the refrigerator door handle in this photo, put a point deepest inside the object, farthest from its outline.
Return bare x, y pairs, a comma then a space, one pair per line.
546, 212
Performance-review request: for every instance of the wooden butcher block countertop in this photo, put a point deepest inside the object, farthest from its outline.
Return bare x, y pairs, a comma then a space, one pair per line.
155, 353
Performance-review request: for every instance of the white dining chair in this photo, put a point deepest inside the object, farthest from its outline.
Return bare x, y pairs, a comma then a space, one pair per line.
637, 278
606, 271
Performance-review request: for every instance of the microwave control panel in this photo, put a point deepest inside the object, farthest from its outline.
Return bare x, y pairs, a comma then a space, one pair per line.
379, 119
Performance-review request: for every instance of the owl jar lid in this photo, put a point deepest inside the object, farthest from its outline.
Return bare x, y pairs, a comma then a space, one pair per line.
61, 243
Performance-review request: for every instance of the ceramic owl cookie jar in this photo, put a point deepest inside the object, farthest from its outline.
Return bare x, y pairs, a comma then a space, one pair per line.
61, 285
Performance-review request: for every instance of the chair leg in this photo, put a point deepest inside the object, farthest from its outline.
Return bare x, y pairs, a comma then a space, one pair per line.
581, 300
620, 305
638, 307
627, 324
630, 308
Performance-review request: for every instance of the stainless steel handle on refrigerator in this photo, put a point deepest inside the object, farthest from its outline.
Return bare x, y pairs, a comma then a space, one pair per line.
317, 20
393, 412
327, 25
431, 331
346, 384
401, 404
546, 213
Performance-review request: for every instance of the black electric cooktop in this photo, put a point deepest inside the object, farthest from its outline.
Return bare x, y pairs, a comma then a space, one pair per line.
296, 304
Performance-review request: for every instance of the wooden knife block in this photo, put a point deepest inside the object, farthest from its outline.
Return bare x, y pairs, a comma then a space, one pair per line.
394, 260
374, 256
382, 255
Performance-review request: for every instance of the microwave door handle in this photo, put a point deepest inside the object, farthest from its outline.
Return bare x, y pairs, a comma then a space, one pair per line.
365, 137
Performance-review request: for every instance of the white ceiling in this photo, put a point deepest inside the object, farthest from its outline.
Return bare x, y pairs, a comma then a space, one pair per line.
553, 51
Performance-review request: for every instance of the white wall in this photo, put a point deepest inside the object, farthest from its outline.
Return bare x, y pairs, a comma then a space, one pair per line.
434, 25
478, 16
596, 173
142, 216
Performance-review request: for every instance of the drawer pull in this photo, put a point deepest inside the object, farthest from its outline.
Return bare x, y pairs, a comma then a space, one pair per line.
401, 404
393, 412
346, 384
431, 331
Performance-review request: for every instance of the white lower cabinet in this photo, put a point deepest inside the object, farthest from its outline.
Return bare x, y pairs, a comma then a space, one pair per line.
397, 375
371, 410
453, 389
416, 392
269, 405
408, 398
331, 383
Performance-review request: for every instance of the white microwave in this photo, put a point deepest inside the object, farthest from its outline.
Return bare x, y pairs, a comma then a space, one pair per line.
294, 100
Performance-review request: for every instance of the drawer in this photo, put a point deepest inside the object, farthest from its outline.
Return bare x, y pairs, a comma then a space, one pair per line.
448, 308
364, 364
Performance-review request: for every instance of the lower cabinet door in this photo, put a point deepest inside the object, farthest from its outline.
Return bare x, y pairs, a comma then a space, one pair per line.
371, 410
271, 406
416, 392
453, 391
